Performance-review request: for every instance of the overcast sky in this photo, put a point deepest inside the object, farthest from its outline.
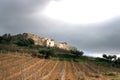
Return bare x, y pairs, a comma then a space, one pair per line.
19, 16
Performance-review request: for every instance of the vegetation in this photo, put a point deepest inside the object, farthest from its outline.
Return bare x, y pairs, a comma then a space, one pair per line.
5, 39
108, 60
77, 53
47, 53
8, 39
109, 57
25, 42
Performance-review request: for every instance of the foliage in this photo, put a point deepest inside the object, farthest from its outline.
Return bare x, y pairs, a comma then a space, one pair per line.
47, 53
108, 60
117, 62
5, 39
109, 57
25, 42
77, 53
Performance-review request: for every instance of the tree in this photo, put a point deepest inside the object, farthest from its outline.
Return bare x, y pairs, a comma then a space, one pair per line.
5, 39
25, 42
31, 41
104, 56
117, 62
77, 53
114, 57
47, 53
109, 57
1, 39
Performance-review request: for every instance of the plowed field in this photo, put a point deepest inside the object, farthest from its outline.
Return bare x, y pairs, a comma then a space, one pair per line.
13, 67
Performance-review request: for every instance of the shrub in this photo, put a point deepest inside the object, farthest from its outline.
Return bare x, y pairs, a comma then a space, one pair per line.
25, 42
47, 53
77, 53
5, 39
109, 57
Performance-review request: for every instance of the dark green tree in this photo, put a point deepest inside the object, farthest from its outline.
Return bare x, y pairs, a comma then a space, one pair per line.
104, 56
109, 57
25, 42
31, 41
77, 53
114, 57
5, 39
117, 62
47, 53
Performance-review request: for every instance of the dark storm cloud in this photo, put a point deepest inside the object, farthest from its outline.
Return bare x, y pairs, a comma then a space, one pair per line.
17, 16
99, 38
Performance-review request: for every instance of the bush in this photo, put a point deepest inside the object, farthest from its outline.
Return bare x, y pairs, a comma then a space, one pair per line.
25, 42
77, 53
47, 53
5, 39
109, 57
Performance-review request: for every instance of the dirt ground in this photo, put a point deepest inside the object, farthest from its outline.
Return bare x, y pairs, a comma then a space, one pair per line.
13, 67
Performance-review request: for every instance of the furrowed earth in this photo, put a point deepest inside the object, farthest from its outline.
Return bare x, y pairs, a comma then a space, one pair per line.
21, 67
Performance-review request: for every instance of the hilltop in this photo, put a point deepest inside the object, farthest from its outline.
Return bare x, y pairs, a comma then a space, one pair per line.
36, 46
46, 42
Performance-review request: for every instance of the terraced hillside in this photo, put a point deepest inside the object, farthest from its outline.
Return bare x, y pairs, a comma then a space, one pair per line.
14, 67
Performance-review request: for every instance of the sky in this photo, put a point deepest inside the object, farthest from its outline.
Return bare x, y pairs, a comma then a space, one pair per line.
92, 26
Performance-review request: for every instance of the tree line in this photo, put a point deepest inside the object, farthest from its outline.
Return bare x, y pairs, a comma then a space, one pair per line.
112, 59
5, 39
9, 39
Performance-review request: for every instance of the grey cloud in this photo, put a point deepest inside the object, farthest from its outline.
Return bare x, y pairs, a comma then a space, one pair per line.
15, 15
103, 38
98, 38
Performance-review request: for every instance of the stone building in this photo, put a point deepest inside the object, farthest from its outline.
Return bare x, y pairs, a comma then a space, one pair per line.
48, 42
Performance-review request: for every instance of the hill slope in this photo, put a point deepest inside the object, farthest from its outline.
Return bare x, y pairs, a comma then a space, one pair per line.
46, 42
